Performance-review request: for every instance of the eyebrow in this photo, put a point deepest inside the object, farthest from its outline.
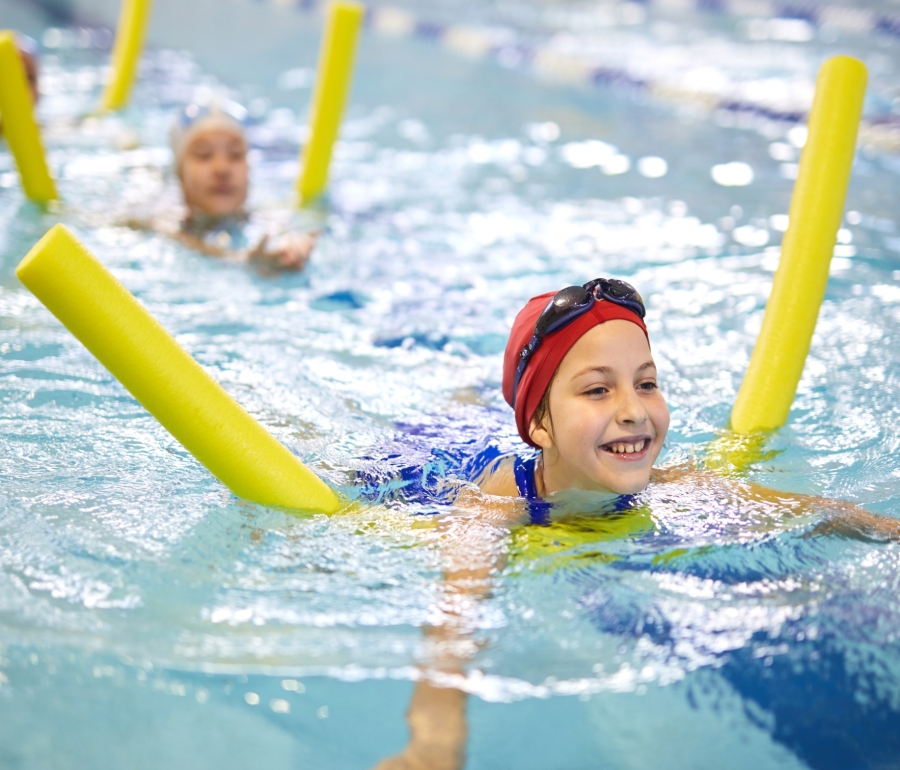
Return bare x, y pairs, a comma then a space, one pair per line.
609, 369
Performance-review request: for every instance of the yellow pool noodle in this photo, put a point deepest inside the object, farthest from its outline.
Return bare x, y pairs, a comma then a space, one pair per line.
767, 392
130, 34
20, 126
335, 71
161, 375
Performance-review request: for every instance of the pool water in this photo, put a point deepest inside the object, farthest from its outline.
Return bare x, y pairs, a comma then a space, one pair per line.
150, 619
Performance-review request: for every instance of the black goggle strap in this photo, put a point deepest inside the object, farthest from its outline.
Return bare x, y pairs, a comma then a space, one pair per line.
524, 357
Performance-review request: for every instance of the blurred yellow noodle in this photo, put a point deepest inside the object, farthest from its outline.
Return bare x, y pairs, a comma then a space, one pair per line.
20, 125
161, 375
334, 73
130, 34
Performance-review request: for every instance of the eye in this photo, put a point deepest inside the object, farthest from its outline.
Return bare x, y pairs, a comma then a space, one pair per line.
648, 386
597, 390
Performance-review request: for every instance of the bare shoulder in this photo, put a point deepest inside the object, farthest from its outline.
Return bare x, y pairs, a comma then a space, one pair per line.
499, 478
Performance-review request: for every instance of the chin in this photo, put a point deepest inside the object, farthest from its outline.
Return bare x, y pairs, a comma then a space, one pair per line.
625, 486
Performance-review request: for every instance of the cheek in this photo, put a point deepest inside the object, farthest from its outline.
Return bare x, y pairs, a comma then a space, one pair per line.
659, 414
584, 422
192, 175
661, 417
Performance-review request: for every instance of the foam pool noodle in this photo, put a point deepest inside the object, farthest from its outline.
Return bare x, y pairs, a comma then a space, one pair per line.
161, 375
20, 126
764, 400
334, 73
576, 541
130, 34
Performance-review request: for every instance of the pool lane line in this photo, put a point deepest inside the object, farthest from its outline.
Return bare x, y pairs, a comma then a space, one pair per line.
498, 45
20, 126
334, 74
100, 312
130, 35
881, 131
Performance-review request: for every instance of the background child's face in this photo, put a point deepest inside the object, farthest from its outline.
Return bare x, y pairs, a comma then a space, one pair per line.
214, 173
607, 419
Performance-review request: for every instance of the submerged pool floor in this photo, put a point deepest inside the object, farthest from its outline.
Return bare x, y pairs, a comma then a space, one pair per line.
149, 619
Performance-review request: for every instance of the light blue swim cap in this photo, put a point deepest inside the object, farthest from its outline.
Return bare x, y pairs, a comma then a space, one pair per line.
195, 118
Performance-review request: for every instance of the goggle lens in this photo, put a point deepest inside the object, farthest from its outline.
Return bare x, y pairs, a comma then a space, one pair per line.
563, 308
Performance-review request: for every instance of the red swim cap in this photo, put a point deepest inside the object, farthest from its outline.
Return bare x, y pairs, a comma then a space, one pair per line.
546, 360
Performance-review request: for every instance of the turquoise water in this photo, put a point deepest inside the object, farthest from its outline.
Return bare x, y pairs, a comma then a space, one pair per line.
149, 619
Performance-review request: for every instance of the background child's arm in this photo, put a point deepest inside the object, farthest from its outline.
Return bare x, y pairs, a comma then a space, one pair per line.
289, 252
198, 244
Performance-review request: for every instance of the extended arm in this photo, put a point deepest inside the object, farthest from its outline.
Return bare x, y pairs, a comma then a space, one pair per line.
841, 517
289, 252
472, 547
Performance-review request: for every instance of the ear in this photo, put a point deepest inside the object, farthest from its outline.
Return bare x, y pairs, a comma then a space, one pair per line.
541, 433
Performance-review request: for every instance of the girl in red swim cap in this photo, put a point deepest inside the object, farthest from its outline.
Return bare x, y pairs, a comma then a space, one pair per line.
580, 376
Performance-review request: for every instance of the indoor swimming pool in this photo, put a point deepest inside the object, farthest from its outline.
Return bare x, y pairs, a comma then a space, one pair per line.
149, 619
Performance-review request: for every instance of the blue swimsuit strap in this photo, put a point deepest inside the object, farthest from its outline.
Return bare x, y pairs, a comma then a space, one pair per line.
538, 509
524, 470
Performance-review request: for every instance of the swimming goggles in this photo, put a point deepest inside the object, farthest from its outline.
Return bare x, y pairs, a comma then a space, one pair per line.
571, 303
194, 112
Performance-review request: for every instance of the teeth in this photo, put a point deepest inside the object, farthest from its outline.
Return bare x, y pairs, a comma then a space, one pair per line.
622, 448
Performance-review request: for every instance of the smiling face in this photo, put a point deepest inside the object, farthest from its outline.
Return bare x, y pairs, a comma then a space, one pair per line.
214, 173
606, 419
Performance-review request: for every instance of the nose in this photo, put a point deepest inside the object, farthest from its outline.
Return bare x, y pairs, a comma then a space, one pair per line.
221, 166
630, 410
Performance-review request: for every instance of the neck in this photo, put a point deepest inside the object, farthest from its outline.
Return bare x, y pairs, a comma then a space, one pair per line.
200, 220
551, 477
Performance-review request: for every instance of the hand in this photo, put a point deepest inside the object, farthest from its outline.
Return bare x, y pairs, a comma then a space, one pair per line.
423, 757
437, 721
857, 523
289, 252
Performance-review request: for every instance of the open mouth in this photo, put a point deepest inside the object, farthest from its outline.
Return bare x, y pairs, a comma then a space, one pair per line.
631, 449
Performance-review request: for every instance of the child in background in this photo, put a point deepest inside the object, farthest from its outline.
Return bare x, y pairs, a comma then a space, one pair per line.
209, 148
580, 377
